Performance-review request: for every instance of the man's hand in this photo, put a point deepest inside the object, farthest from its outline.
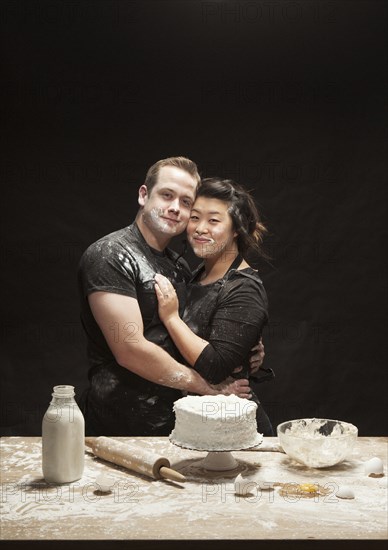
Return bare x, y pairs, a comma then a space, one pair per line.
256, 359
238, 387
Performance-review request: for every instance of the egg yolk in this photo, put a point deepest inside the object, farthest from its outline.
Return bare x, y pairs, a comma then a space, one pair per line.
308, 487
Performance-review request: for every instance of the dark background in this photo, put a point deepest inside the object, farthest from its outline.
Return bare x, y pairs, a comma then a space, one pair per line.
287, 98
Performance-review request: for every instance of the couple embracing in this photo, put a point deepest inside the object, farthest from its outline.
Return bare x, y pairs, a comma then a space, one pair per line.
154, 329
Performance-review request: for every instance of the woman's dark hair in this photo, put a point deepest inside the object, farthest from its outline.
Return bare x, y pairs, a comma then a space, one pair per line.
242, 209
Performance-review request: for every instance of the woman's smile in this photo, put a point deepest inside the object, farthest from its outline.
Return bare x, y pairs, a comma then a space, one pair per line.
210, 228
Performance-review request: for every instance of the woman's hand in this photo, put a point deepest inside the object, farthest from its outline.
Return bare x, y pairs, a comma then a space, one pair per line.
238, 387
168, 302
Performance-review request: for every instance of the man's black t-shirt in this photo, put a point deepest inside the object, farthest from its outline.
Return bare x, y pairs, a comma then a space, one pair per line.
118, 401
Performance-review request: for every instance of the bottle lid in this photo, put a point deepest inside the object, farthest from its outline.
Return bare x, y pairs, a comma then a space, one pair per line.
63, 391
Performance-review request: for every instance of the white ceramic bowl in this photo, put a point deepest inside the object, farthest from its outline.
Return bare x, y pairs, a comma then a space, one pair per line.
317, 442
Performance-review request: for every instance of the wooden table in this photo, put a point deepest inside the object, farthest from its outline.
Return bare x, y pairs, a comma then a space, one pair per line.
205, 508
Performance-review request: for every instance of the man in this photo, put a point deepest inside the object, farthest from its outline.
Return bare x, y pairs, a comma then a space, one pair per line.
134, 378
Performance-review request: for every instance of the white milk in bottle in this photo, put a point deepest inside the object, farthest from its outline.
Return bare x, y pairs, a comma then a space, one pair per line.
63, 437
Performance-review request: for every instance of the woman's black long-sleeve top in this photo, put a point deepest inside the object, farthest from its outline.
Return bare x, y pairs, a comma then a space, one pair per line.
229, 314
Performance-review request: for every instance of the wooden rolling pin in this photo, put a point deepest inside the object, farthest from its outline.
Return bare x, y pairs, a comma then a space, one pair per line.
133, 457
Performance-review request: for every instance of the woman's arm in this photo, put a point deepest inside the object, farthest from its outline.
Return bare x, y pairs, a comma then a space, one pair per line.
189, 344
236, 326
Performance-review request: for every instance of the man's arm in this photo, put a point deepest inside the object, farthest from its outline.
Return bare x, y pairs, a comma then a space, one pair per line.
120, 321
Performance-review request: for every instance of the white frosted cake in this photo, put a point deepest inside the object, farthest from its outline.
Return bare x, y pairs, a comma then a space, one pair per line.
215, 423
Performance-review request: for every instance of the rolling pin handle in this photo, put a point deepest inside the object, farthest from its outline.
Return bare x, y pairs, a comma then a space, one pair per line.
173, 475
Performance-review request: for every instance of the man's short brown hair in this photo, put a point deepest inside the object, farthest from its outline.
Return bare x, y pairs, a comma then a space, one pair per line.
179, 162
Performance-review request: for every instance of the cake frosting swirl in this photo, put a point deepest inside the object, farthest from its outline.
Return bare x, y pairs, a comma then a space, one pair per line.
215, 423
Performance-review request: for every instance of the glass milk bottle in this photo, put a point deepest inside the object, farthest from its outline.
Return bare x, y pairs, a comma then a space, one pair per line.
63, 438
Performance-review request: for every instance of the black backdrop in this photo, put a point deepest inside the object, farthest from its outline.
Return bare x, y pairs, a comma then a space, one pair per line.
285, 97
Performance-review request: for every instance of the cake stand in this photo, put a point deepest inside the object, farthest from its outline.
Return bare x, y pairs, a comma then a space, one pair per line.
217, 460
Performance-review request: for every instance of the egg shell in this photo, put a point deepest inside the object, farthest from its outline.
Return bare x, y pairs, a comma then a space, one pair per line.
244, 486
345, 492
104, 483
374, 466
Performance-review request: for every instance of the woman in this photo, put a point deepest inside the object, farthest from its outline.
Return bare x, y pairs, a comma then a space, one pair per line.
226, 306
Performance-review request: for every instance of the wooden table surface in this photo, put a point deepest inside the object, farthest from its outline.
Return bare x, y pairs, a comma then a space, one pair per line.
203, 508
